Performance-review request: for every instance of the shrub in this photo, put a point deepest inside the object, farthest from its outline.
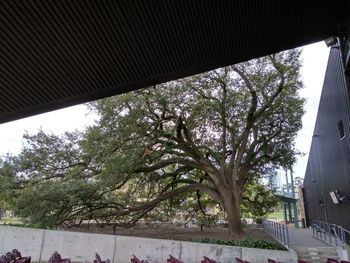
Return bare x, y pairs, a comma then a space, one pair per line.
249, 242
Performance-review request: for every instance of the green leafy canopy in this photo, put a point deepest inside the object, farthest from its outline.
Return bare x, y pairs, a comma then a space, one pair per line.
211, 133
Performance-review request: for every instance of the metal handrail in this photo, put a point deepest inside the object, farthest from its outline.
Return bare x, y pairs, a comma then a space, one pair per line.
277, 230
331, 232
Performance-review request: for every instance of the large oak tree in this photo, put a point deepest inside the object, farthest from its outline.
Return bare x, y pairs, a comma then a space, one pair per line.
213, 134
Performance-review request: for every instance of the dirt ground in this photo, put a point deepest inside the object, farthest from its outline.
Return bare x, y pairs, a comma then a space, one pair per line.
177, 232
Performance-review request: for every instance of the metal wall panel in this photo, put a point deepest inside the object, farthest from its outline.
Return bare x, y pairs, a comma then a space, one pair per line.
328, 167
55, 54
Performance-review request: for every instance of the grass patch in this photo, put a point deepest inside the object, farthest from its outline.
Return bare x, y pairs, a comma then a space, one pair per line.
14, 221
276, 215
249, 242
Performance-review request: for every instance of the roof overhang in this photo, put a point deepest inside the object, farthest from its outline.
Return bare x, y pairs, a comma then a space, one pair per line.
286, 199
56, 54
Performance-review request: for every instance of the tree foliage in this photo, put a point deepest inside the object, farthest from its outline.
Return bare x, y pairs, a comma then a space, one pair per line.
212, 133
258, 201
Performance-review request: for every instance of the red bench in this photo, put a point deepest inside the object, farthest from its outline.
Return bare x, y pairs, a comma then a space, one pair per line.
208, 260
4, 259
269, 260
19, 257
10, 257
14, 257
172, 259
56, 258
98, 259
333, 260
135, 259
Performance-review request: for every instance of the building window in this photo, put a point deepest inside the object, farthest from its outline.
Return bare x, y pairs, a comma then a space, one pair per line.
341, 129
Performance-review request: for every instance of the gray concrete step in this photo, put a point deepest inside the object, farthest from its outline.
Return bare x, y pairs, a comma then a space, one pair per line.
316, 254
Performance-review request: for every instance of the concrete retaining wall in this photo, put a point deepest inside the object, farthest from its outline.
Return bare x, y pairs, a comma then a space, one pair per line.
81, 247
26, 240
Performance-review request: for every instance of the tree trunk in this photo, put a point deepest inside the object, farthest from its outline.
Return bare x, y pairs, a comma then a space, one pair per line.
231, 202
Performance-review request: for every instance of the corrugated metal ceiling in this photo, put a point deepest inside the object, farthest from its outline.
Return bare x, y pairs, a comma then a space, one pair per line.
60, 53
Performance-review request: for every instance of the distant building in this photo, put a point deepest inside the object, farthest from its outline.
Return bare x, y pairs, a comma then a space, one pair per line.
300, 206
287, 188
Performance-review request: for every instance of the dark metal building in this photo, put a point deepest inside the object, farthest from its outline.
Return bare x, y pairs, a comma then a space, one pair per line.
328, 168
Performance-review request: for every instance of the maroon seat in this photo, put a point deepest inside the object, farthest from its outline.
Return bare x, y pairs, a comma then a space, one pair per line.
4, 259
56, 258
98, 259
344, 261
332, 260
301, 261
19, 257
208, 260
135, 259
10, 257
172, 259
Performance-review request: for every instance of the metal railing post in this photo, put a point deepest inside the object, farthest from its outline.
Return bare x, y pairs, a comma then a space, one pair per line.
279, 231
337, 233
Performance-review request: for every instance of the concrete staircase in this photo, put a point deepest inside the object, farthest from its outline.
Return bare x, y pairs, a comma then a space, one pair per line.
316, 254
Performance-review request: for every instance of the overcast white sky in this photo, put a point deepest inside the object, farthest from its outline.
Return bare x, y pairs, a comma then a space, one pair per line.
314, 65
315, 59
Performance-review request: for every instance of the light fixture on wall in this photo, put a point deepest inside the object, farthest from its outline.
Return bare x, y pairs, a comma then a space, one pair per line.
338, 197
331, 41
